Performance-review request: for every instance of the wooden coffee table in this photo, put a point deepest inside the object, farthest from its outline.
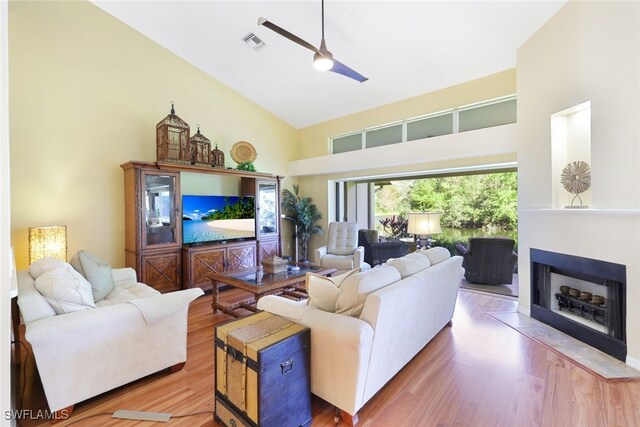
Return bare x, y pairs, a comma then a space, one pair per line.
261, 284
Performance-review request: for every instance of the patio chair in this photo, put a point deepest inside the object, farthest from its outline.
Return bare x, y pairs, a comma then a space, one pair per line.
488, 260
376, 252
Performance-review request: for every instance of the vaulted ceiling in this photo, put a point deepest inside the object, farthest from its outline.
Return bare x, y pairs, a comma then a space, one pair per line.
404, 48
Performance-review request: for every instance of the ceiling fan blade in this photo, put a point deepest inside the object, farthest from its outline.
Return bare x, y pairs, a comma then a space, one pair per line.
340, 68
273, 27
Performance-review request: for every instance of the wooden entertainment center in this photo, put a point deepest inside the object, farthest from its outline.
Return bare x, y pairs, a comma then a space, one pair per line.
153, 226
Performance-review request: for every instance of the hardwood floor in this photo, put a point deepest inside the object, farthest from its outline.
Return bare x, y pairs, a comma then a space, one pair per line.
479, 372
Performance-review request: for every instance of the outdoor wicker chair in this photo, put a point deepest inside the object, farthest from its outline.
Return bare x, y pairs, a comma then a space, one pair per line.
489, 260
376, 252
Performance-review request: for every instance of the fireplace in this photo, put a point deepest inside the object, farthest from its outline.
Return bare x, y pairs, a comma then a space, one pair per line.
582, 297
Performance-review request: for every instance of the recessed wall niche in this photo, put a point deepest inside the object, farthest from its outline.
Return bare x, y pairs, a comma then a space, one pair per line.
570, 141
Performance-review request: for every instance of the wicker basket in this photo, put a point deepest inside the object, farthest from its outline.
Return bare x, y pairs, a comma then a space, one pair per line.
274, 265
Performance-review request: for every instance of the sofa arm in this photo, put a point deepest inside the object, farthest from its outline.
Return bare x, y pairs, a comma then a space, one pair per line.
292, 310
318, 254
358, 257
158, 307
340, 351
123, 276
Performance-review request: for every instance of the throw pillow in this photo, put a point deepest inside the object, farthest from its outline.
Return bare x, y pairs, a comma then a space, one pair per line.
324, 291
44, 264
409, 264
96, 271
437, 255
356, 288
65, 290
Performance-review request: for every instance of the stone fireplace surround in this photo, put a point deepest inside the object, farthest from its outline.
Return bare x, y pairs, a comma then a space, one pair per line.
603, 327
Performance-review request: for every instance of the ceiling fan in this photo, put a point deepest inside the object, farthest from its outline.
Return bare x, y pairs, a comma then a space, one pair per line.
323, 60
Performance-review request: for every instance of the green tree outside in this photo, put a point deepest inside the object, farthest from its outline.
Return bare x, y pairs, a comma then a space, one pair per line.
470, 204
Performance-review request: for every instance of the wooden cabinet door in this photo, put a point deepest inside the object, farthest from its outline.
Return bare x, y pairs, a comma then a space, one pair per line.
267, 248
203, 263
241, 257
159, 207
161, 271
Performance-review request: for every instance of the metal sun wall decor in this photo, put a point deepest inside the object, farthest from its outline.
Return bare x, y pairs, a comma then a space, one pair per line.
576, 179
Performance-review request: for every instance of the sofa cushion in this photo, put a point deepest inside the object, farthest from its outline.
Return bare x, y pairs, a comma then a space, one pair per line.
324, 291
409, 264
340, 262
437, 255
65, 290
127, 293
355, 289
96, 271
44, 264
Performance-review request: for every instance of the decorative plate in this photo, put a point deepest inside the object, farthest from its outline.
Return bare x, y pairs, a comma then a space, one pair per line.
242, 152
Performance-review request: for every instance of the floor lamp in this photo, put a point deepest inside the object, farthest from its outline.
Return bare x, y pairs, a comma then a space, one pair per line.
295, 234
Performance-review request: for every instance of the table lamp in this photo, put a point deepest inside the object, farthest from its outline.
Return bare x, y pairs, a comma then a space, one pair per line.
423, 224
48, 242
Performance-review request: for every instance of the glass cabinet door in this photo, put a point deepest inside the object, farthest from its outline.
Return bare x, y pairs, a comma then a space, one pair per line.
161, 225
267, 215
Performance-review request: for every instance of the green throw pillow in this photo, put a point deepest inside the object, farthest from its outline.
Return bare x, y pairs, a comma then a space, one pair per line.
96, 271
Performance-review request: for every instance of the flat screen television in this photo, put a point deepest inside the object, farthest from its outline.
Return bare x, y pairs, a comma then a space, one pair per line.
217, 218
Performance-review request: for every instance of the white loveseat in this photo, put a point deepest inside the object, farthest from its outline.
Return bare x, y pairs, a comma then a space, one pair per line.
354, 357
133, 332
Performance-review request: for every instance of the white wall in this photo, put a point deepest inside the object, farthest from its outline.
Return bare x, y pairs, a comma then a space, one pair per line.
588, 51
5, 225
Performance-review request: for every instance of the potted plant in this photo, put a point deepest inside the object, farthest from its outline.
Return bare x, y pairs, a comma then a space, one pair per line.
303, 214
395, 227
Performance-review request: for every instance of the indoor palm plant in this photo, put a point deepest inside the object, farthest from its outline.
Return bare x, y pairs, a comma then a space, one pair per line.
303, 214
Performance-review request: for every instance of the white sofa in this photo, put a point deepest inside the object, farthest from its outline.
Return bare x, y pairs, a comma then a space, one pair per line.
354, 357
133, 332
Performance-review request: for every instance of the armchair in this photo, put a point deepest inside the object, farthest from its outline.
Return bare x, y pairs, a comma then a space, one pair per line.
342, 251
376, 252
131, 333
488, 260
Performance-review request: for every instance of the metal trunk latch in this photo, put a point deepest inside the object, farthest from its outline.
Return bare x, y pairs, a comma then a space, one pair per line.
286, 366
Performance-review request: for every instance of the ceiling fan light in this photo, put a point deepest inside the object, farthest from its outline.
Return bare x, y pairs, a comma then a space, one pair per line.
322, 63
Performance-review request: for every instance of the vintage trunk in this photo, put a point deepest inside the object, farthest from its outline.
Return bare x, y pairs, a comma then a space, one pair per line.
262, 372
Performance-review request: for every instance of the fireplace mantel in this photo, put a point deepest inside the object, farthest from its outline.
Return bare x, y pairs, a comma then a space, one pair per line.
589, 211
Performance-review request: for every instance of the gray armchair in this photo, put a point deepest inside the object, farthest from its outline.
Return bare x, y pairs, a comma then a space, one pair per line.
488, 260
342, 251
376, 252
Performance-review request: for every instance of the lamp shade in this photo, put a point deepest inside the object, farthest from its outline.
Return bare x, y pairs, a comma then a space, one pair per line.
48, 242
423, 223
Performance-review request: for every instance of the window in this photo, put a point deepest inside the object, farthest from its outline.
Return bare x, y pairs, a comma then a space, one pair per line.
347, 143
430, 126
494, 112
384, 136
499, 113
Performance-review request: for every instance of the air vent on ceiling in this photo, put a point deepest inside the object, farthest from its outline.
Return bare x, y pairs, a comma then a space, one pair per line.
253, 41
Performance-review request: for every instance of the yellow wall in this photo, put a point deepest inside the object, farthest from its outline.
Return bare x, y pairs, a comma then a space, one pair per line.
314, 139
86, 94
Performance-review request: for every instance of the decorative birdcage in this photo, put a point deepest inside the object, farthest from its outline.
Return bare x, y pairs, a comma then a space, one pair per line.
217, 157
172, 139
200, 149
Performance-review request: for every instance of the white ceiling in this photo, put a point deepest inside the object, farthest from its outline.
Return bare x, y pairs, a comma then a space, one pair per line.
405, 48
